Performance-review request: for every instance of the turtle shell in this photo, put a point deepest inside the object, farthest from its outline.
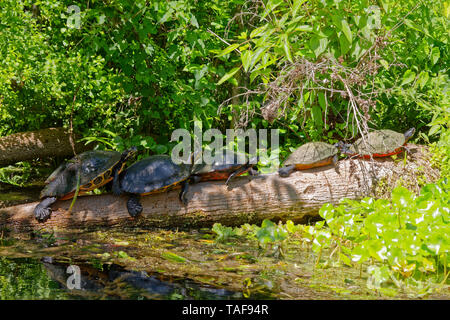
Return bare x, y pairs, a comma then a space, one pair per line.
221, 168
379, 143
153, 174
312, 154
95, 168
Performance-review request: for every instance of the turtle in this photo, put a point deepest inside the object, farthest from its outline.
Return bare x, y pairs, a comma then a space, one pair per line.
310, 155
225, 168
89, 170
154, 174
379, 143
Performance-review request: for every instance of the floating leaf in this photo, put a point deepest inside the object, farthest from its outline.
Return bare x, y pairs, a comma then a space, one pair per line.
168, 255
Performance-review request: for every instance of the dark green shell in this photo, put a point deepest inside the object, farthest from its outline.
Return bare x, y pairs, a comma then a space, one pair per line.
311, 152
153, 173
90, 165
229, 162
378, 142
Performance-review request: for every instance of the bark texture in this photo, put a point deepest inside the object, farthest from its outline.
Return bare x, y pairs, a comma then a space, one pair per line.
43, 143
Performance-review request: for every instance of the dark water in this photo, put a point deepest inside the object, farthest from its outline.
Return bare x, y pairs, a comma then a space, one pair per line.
28, 278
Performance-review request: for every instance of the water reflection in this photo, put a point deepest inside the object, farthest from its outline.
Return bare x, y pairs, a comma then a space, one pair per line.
25, 278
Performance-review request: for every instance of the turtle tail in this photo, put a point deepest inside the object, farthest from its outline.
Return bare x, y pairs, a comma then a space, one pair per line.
409, 134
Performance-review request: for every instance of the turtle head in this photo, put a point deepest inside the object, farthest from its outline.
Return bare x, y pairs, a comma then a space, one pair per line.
129, 153
344, 148
409, 134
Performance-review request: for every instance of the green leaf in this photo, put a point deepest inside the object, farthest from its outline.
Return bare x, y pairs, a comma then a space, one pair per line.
345, 45
296, 5
317, 116
194, 21
286, 47
256, 32
435, 55
318, 45
228, 75
347, 31
304, 28
434, 129
322, 101
423, 79
227, 50
408, 77
246, 58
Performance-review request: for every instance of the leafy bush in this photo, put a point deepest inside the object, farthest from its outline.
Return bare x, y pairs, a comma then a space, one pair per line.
404, 239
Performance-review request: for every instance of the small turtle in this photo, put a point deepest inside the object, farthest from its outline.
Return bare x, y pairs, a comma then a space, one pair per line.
379, 143
90, 170
225, 168
310, 155
153, 174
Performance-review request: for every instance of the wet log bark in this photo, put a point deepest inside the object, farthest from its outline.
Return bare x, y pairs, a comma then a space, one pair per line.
246, 199
43, 143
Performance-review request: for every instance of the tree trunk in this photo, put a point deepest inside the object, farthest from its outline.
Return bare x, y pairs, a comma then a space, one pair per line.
44, 143
247, 199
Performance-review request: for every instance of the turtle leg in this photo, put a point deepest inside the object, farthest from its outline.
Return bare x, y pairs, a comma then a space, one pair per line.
116, 183
42, 211
184, 190
134, 206
195, 179
253, 172
286, 171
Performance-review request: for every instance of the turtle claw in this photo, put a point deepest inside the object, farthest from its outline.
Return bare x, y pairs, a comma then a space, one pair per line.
42, 214
134, 206
43, 211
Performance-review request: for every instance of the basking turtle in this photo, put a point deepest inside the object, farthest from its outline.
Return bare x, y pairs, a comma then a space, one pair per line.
310, 155
90, 170
379, 143
151, 175
225, 168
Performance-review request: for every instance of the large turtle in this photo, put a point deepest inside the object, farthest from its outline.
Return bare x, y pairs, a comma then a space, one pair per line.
89, 170
153, 174
310, 155
379, 143
225, 167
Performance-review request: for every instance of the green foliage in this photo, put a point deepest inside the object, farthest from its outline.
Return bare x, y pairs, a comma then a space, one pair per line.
305, 59
134, 68
440, 151
223, 233
405, 239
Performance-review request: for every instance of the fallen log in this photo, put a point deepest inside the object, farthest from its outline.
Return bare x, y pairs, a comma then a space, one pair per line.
246, 200
52, 142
